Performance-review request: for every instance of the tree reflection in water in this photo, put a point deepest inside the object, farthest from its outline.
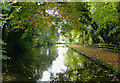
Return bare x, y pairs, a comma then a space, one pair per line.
57, 65
53, 64
29, 66
81, 69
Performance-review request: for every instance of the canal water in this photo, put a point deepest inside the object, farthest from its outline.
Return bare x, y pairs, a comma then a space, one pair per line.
53, 63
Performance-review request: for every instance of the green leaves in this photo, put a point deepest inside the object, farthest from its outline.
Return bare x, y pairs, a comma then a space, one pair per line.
79, 22
2, 50
5, 6
117, 28
105, 15
104, 12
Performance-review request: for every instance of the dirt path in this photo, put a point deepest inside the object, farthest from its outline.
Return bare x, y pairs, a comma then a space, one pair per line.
110, 58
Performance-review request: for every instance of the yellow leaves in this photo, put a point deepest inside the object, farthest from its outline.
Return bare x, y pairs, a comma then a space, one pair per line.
44, 21
49, 16
17, 26
44, 28
61, 19
47, 20
27, 30
105, 56
22, 26
49, 23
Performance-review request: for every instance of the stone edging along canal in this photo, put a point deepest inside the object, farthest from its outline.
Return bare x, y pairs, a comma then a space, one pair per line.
98, 62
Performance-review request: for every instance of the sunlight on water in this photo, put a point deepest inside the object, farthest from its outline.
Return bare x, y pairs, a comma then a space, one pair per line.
46, 76
57, 65
60, 45
47, 51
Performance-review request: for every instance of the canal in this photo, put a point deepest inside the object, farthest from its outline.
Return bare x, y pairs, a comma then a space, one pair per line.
53, 63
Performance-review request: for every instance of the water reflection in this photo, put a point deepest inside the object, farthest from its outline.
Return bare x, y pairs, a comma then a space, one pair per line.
46, 76
54, 63
81, 69
29, 66
57, 65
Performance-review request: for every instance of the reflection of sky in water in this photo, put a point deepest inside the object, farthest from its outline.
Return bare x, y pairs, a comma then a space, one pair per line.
47, 51
57, 65
46, 76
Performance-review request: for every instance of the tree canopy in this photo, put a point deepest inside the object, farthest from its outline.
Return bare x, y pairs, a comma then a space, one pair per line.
40, 23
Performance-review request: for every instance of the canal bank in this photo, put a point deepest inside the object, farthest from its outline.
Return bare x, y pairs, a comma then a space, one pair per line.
106, 59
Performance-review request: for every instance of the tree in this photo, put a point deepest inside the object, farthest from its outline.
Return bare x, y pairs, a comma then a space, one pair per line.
6, 7
26, 25
105, 14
